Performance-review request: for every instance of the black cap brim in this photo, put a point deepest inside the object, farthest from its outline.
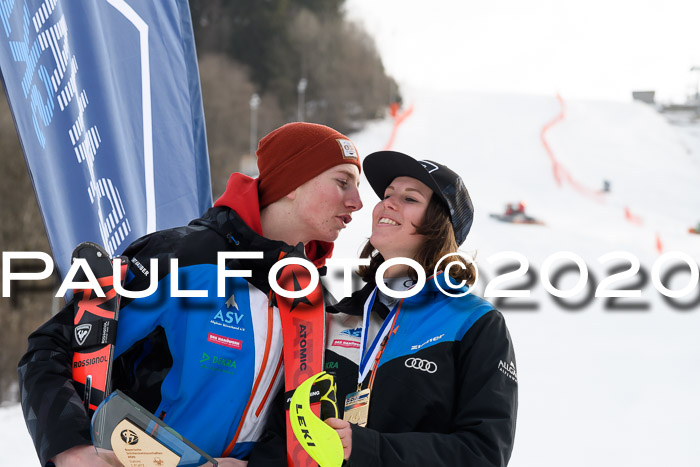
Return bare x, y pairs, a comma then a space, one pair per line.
382, 167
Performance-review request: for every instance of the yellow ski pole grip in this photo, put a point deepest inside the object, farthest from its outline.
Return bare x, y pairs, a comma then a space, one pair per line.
319, 440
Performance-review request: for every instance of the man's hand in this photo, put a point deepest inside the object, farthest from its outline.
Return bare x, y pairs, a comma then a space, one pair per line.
344, 431
86, 456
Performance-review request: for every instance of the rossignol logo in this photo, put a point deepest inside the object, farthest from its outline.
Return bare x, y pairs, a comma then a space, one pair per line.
420, 364
81, 332
129, 437
508, 370
89, 361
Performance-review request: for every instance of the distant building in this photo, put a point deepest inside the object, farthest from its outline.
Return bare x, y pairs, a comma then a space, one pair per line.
644, 96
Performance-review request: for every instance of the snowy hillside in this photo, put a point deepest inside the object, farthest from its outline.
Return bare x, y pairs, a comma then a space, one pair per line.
599, 384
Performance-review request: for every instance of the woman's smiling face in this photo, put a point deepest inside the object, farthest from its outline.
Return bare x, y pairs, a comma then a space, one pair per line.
394, 218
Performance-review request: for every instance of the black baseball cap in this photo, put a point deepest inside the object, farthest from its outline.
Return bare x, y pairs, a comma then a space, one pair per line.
382, 167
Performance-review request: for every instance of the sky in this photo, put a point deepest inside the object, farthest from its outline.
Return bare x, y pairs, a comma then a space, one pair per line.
593, 49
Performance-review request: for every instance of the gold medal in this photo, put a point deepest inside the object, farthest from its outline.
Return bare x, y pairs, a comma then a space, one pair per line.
357, 407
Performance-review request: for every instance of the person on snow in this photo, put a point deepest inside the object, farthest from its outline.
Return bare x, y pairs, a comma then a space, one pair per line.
165, 358
424, 380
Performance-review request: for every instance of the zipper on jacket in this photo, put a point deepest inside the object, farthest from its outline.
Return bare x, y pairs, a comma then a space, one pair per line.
263, 366
269, 388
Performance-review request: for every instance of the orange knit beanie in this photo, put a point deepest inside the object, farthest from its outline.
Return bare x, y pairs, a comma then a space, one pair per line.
295, 153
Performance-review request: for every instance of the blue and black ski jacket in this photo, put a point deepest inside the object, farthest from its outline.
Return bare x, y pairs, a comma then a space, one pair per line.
208, 366
444, 391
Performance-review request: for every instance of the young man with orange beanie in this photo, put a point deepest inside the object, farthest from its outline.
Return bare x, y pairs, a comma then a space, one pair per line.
208, 366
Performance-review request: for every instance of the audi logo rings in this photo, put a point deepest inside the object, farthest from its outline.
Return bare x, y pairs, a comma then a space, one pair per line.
420, 364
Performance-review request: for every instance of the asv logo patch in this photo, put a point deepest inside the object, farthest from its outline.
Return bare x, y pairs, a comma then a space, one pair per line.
81, 332
228, 317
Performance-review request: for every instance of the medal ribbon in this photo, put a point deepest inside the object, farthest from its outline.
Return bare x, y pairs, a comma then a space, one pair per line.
370, 355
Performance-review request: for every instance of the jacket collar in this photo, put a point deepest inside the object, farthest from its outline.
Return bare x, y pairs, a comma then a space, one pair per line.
354, 304
241, 195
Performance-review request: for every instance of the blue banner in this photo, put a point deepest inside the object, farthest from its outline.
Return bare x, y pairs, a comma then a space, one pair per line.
106, 99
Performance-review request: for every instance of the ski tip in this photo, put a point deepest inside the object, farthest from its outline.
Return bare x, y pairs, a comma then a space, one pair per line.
89, 250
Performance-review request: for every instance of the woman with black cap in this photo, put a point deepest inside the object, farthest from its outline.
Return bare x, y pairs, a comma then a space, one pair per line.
428, 379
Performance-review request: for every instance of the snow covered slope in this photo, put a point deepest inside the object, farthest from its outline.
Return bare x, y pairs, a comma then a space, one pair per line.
599, 385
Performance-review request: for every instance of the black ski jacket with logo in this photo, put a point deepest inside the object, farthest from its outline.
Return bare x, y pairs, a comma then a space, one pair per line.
189, 393
445, 388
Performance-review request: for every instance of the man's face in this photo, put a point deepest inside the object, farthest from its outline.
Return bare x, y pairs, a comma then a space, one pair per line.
324, 204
